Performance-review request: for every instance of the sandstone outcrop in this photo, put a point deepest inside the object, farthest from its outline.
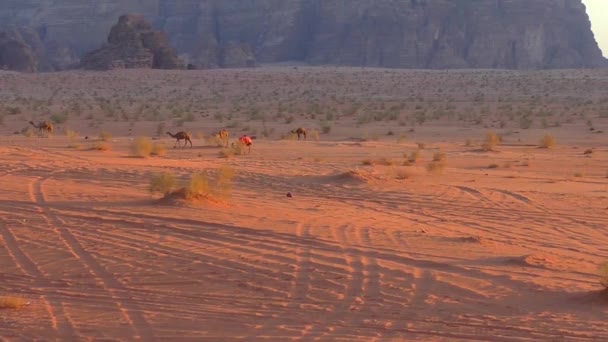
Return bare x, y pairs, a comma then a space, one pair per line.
513, 34
133, 43
16, 55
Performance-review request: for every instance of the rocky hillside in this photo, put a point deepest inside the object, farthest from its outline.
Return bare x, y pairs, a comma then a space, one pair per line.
133, 43
517, 34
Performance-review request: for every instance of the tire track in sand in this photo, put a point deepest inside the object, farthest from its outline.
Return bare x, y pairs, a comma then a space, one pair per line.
111, 285
59, 319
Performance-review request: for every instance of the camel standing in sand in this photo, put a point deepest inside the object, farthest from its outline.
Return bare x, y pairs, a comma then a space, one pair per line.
223, 137
181, 136
300, 131
43, 126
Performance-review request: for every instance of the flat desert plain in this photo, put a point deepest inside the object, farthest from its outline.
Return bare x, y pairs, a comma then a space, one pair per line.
425, 205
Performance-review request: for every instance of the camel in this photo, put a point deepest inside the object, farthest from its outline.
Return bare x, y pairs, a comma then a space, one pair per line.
300, 131
223, 137
43, 126
181, 136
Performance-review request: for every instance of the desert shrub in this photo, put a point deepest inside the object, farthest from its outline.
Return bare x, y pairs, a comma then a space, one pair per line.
198, 185
163, 182
469, 143
548, 141
603, 270
28, 133
421, 146
72, 135
436, 167
59, 118
313, 134
403, 174
493, 166
439, 157
492, 140
105, 136
414, 156
235, 149
367, 162
578, 174
223, 182
158, 149
102, 146
325, 127
12, 302
140, 147
402, 139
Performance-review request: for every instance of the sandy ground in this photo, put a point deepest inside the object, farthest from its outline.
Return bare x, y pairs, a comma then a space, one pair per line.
380, 252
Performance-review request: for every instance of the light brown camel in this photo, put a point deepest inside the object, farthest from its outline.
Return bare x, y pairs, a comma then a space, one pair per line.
181, 136
43, 126
300, 131
223, 137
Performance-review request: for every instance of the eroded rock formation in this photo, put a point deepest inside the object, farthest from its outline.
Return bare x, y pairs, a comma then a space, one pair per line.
515, 34
133, 43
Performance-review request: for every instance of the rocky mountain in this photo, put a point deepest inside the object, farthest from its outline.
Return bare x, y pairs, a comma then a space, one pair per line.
133, 43
515, 34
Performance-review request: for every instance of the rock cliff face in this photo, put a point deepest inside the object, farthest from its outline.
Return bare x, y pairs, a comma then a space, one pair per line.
517, 34
133, 43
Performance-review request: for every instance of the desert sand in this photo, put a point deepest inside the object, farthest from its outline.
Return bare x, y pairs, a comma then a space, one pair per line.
498, 245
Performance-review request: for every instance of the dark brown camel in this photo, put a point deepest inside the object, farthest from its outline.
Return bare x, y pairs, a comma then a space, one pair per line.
300, 131
43, 126
181, 136
223, 137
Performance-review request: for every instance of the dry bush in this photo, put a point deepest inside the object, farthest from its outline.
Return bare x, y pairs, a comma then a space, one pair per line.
367, 162
223, 182
199, 185
163, 182
469, 143
603, 270
402, 139
548, 141
235, 149
578, 174
140, 147
414, 156
28, 133
386, 162
72, 135
102, 146
493, 166
314, 134
439, 157
492, 140
158, 149
436, 167
105, 136
421, 146
402, 174
12, 302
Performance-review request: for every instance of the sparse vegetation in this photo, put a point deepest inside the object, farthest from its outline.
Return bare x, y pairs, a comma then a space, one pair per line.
492, 140
102, 146
158, 149
9, 302
603, 271
140, 147
105, 136
162, 182
548, 141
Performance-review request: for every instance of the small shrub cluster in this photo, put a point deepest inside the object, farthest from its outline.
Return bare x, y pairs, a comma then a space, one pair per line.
492, 140
548, 141
198, 186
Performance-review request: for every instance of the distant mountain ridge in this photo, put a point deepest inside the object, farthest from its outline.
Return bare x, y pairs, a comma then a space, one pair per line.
424, 34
